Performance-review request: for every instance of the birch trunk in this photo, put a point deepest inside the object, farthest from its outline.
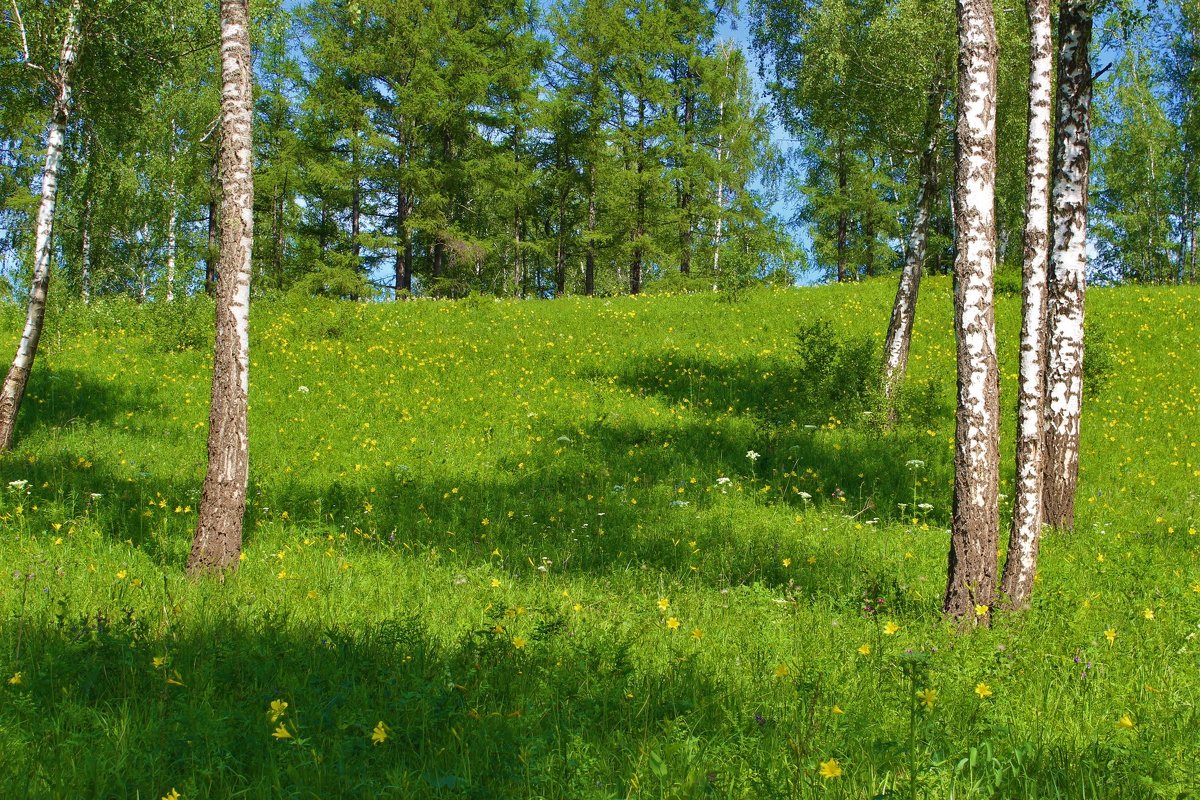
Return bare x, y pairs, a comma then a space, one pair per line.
13, 390
1068, 265
172, 219
971, 578
218, 540
904, 309
1021, 562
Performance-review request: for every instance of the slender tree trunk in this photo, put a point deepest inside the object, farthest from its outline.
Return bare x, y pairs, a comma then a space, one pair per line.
971, 578
218, 539
685, 199
277, 243
172, 217
214, 226
904, 309
13, 390
560, 251
843, 221
1068, 264
639, 231
403, 245
589, 270
1021, 562
85, 251
85, 221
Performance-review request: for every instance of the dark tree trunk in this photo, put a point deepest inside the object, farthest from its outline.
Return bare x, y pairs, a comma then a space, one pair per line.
843, 222
589, 269
214, 226
639, 231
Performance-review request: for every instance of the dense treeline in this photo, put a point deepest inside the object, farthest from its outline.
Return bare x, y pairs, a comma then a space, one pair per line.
434, 147
581, 146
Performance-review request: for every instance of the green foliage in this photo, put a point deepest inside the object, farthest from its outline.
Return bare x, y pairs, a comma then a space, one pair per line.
463, 516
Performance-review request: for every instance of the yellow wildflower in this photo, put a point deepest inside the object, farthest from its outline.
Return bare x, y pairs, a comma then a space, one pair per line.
380, 734
15, 680
277, 709
1125, 722
782, 671
983, 690
672, 623
518, 642
865, 650
171, 795
282, 732
663, 604
891, 628
927, 697
830, 769
1111, 635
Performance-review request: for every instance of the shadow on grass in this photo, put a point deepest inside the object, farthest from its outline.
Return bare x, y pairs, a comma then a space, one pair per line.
566, 715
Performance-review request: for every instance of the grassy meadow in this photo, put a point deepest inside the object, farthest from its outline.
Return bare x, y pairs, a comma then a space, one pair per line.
653, 547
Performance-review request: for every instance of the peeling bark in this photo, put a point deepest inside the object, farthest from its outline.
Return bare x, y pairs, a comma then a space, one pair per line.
13, 390
971, 576
1021, 562
217, 544
1068, 265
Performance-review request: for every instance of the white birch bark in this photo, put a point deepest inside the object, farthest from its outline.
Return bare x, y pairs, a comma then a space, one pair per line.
1068, 265
904, 309
1021, 563
13, 390
971, 574
218, 539
172, 219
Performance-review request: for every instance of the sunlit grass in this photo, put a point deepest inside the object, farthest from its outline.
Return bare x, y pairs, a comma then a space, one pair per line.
607, 548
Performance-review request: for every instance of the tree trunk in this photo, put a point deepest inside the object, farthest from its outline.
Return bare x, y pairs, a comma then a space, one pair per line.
589, 270
560, 251
685, 199
218, 540
1068, 264
13, 390
214, 231
1021, 562
971, 576
403, 245
172, 218
85, 250
904, 309
843, 221
639, 231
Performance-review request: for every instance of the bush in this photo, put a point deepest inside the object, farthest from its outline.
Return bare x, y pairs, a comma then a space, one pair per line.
836, 372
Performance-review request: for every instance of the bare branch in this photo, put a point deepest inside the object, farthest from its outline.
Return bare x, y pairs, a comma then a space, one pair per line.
21, 28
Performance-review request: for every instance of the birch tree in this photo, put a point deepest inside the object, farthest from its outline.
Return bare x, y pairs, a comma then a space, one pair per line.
1021, 563
1068, 264
971, 578
218, 540
60, 78
904, 309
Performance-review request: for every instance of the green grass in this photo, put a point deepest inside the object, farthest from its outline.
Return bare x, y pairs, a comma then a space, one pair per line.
464, 517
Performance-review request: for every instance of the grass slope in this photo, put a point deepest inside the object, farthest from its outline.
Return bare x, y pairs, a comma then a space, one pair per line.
525, 549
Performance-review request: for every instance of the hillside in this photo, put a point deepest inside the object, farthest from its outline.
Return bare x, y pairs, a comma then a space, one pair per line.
628, 547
